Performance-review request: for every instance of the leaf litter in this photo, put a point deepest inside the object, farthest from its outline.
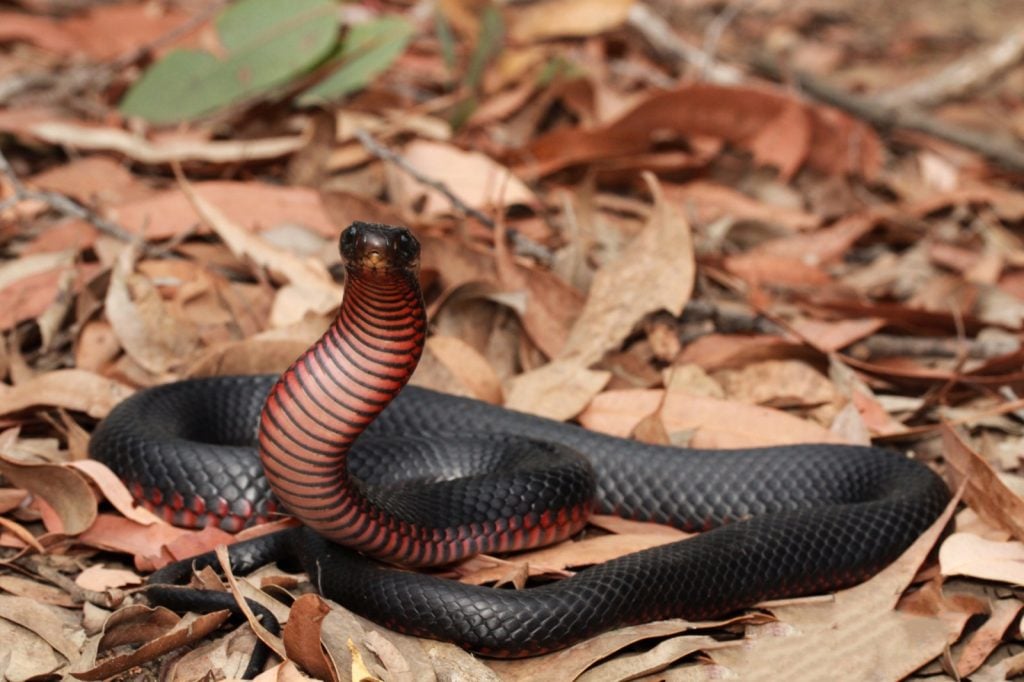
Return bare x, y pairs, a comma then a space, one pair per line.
689, 261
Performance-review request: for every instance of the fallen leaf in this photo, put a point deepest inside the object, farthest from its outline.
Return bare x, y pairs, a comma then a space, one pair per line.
477, 180
252, 205
715, 423
138, 148
985, 492
567, 18
654, 272
149, 333
977, 557
100, 578
740, 115
985, 639
469, 368
191, 628
63, 488
308, 275
302, 636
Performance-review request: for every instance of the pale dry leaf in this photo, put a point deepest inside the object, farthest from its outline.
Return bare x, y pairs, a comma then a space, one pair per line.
92, 138
58, 627
252, 205
153, 337
478, 181
985, 639
25, 655
308, 275
654, 272
72, 389
98, 578
469, 368
858, 632
977, 557
985, 492
558, 390
715, 423
568, 18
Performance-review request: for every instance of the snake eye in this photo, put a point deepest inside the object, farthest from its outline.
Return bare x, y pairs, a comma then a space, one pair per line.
348, 240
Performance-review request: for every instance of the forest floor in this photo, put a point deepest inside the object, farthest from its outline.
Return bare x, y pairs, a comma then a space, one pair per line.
713, 223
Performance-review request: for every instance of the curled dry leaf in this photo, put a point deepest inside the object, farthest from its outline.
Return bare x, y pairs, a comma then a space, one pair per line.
54, 625
654, 272
185, 631
858, 632
302, 637
249, 204
308, 275
715, 423
974, 556
467, 367
989, 636
985, 493
476, 179
62, 487
92, 138
744, 116
567, 18
145, 327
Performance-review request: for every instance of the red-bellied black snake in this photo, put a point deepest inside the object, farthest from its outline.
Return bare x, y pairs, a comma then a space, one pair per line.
418, 478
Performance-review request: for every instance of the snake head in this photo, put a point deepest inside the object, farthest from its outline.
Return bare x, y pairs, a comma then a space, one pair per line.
383, 249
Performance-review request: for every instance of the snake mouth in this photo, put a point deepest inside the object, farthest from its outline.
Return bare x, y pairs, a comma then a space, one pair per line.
370, 248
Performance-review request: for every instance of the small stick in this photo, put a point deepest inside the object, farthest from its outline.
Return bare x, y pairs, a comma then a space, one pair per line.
524, 245
1002, 150
58, 202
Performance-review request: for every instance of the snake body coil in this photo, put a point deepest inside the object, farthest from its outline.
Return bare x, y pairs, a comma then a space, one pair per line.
416, 477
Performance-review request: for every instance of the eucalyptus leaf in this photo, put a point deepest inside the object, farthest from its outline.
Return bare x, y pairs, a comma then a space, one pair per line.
266, 43
368, 50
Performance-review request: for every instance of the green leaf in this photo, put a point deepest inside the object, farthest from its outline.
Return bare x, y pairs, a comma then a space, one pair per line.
267, 43
492, 31
369, 49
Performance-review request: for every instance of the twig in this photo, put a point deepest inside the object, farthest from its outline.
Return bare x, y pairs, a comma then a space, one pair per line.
965, 75
523, 245
657, 32
1000, 149
58, 202
716, 29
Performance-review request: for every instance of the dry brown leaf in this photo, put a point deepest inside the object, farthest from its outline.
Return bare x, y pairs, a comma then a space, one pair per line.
54, 625
977, 557
94, 138
708, 202
985, 492
858, 632
187, 630
150, 334
567, 18
759, 269
302, 637
469, 368
63, 488
990, 635
832, 335
72, 389
479, 181
654, 272
250, 204
780, 383
715, 423
100, 578
740, 115
569, 663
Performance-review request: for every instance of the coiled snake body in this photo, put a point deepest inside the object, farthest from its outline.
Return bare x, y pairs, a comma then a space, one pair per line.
415, 477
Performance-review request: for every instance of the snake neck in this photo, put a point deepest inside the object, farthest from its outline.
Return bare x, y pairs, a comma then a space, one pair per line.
328, 397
